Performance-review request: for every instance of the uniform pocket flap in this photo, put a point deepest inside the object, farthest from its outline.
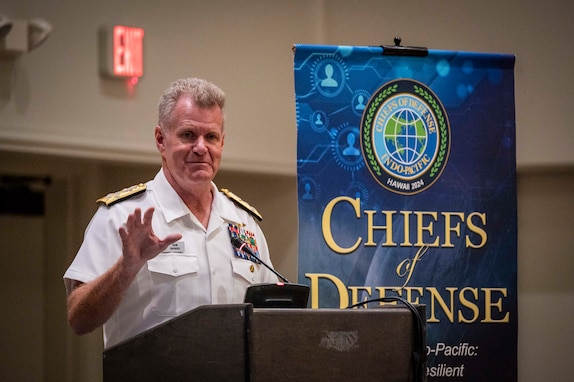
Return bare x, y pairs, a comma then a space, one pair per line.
173, 264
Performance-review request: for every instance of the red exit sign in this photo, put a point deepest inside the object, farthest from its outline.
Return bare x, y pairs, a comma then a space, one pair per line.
121, 49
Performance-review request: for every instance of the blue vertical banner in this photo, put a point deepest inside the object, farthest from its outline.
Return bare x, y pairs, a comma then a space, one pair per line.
406, 169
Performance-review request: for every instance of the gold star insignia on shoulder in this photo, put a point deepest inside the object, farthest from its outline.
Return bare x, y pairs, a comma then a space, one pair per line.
124, 194
241, 203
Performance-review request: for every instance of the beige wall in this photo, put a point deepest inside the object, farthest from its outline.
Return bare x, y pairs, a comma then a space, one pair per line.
545, 266
58, 117
52, 99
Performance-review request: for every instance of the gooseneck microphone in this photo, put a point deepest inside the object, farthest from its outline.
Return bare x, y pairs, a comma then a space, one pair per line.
241, 246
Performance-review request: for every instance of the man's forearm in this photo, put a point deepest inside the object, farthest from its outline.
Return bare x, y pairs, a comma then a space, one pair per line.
91, 304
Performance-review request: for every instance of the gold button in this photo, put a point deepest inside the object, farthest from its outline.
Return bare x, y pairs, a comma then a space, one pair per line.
252, 268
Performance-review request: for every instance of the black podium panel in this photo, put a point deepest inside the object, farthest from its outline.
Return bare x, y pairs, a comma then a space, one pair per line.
206, 344
332, 345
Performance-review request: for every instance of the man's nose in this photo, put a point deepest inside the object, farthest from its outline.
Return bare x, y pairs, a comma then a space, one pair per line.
199, 146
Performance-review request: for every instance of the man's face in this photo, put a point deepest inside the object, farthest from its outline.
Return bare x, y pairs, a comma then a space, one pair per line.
191, 147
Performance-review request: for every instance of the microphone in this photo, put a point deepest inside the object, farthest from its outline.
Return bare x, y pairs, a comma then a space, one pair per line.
241, 246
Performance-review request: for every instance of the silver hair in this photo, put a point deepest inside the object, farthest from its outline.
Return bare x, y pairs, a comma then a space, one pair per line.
202, 93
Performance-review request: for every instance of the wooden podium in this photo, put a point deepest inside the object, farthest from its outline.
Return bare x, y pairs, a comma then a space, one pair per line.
239, 343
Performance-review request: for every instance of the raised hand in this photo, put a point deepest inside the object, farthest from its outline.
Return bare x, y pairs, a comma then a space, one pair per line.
139, 242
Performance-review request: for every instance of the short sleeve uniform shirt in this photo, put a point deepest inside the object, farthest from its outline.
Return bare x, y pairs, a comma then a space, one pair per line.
200, 269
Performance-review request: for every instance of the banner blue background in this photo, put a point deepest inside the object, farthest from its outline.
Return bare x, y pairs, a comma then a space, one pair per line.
470, 293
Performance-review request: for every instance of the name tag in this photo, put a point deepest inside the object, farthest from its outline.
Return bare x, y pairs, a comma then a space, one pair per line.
177, 247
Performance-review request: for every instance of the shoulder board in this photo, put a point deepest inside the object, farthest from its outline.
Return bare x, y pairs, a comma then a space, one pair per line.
124, 194
241, 203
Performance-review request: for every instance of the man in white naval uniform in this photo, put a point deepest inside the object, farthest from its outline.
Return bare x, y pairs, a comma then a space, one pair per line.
156, 250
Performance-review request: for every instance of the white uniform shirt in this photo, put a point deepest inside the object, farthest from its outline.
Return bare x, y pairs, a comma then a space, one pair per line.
199, 269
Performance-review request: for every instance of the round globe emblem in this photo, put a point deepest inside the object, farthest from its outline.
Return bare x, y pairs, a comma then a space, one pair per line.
404, 139
405, 136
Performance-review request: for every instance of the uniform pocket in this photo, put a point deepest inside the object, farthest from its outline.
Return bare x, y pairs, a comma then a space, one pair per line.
166, 271
245, 270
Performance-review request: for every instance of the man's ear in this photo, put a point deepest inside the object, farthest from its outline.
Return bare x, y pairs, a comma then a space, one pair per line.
159, 138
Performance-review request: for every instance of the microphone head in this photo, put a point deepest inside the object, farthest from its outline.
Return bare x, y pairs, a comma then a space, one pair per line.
237, 242
242, 246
